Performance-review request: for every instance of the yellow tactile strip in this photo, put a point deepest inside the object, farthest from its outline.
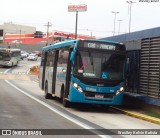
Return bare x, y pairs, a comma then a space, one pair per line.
138, 115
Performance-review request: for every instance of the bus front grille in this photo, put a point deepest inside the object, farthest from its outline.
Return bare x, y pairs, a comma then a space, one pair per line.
94, 94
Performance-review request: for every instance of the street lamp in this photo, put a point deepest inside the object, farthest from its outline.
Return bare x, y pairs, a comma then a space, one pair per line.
48, 25
119, 26
91, 33
130, 7
114, 21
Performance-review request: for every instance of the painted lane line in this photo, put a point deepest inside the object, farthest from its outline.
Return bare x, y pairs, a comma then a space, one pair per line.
83, 125
7, 70
28, 71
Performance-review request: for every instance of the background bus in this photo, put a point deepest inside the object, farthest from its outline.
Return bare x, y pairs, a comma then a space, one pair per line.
9, 57
84, 71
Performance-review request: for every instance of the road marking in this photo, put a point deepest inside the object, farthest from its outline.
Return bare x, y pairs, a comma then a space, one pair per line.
83, 125
138, 115
28, 71
19, 73
7, 70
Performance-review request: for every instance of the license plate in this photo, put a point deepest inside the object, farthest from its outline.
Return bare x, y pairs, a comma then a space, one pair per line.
99, 96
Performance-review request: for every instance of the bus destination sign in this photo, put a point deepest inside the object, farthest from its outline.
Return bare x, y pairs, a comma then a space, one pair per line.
99, 46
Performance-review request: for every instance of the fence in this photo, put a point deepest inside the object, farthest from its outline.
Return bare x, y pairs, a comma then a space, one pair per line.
150, 67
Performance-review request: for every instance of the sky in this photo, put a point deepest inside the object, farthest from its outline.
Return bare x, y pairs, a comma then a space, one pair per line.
98, 20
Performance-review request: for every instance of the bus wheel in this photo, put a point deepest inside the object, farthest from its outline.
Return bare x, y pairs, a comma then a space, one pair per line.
65, 102
47, 95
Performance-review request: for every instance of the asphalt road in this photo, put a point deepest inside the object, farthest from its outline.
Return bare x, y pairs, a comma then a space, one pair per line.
23, 106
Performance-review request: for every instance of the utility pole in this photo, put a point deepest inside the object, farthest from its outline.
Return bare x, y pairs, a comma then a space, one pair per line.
48, 25
114, 21
76, 24
119, 26
91, 33
20, 32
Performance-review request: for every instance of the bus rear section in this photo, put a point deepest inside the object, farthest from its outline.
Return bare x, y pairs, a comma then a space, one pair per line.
9, 57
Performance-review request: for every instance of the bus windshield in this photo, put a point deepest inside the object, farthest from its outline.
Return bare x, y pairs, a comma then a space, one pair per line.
99, 65
5, 56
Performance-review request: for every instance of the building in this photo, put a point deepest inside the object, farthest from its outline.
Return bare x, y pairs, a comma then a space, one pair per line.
20, 34
10, 28
143, 53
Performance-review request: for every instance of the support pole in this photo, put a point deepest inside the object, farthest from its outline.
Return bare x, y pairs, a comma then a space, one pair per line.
76, 24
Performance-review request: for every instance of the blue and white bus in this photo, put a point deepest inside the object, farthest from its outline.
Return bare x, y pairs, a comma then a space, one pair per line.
84, 71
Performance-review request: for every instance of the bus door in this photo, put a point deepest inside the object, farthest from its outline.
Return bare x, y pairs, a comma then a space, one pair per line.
61, 70
68, 75
54, 70
43, 69
50, 69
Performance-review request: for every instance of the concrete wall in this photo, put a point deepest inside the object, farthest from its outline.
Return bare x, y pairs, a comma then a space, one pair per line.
17, 29
133, 45
27, 48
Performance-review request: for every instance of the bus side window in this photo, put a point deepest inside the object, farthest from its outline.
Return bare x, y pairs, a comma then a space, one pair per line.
63, 56
15, 53
42, 58
50, 58
47, 59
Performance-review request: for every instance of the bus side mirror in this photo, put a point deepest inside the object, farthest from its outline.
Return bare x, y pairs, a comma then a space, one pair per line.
73, 53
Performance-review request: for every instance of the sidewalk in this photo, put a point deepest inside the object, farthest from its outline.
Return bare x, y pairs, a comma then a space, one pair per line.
137, 114
33, 78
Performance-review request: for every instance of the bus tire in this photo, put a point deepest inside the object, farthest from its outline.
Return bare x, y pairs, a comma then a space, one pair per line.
65, 102
47, 95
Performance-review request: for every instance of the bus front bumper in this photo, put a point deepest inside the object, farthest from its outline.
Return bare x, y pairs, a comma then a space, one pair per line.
79, 97
5, 63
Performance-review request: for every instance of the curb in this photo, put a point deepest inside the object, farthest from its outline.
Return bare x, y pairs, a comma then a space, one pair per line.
138, 115
33, 78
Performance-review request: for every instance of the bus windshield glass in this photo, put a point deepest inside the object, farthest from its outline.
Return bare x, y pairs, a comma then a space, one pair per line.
99, 65
5, 56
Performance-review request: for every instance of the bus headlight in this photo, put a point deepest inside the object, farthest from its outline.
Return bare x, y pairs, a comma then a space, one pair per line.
77, 87
80, 89
120, 90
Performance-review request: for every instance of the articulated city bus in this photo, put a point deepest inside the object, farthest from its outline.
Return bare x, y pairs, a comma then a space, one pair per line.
9, 57
84, 71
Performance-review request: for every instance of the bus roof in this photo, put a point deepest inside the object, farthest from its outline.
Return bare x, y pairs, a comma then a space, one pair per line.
71, 42
108, 41
60, 44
